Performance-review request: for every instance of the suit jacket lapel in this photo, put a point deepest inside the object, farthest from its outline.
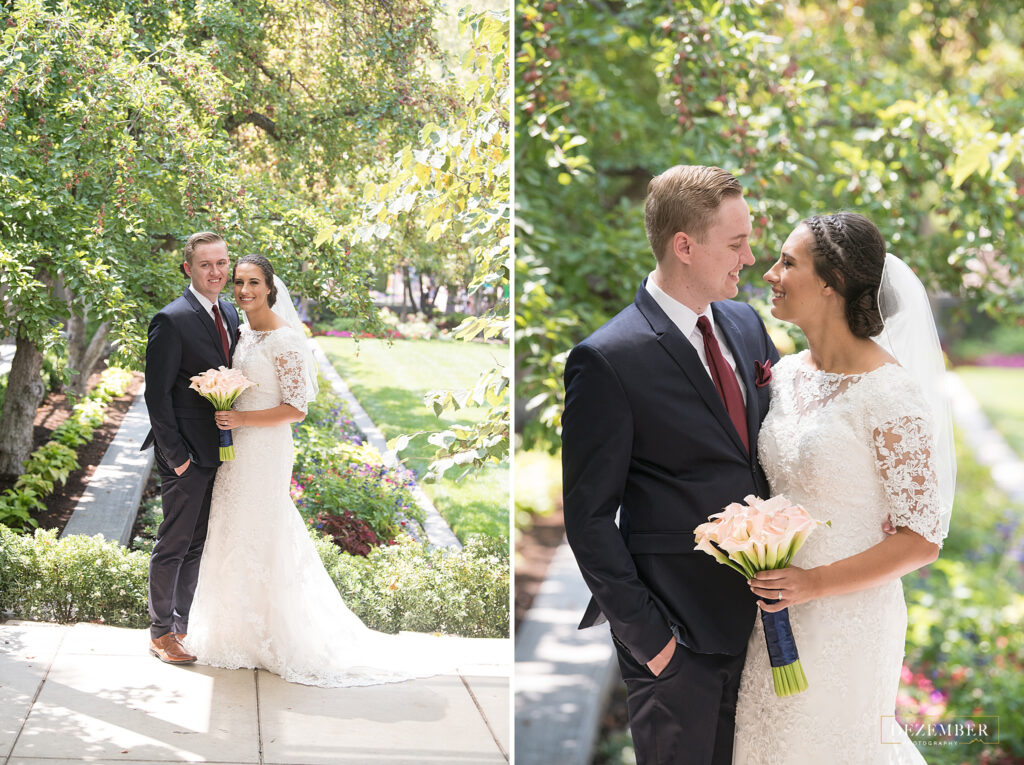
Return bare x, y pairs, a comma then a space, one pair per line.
744, 370
684, 354
207, 321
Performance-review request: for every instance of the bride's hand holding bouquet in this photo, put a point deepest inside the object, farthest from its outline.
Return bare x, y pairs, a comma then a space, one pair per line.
221, 387
759, 540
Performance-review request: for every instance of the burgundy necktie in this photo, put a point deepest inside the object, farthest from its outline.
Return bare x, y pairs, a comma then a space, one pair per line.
725, 380
224, 334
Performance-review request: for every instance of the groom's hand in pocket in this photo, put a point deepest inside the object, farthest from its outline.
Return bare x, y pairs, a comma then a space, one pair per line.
183, 468
658, 663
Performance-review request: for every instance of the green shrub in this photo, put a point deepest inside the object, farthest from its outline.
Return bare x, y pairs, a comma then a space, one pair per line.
400, 587
329, 411
90, 412
53, 462
16, 508
341, 324
333, 475
408, 587
966, 651
150, 516
114, 383
72, 433
76, 579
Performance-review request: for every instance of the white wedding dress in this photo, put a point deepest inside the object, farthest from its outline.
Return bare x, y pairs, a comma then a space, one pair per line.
264, 598
852, 449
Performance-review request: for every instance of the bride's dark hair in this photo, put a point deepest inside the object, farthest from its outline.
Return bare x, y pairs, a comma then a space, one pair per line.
849, 255
268, 274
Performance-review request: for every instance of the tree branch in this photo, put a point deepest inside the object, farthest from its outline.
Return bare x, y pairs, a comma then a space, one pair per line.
235, 121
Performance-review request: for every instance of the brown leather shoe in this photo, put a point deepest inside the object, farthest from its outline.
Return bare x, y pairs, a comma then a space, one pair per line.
169, 650
180, 636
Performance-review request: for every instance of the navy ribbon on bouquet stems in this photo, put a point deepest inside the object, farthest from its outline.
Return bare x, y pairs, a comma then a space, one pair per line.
787, 672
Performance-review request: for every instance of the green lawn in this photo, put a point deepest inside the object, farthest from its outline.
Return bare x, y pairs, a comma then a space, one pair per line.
390, 381
998, 391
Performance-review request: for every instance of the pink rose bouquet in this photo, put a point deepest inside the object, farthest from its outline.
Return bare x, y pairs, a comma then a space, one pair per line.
221, 387
759, 536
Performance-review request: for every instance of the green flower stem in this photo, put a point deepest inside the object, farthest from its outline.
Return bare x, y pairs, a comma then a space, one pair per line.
790, 679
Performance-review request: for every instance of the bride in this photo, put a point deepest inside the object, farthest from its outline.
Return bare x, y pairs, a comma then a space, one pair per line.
858, 433
264, 598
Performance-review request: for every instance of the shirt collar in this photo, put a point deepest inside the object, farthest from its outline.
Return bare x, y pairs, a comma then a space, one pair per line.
203, 301
684, 317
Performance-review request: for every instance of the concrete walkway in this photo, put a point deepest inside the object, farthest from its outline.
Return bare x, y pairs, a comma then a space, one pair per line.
110, 502
987, 443
91, 693
6, 357
563, 675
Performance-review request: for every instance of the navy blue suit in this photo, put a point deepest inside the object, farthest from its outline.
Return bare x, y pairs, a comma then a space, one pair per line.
183, 342
645, 433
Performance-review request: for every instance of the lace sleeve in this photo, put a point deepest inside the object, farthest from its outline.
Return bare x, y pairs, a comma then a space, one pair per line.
288, 365
904, 460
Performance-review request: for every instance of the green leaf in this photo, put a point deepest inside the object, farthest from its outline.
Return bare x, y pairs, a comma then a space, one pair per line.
973, 159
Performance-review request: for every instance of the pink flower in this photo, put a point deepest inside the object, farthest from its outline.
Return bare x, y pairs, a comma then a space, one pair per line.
220, 386
759, 535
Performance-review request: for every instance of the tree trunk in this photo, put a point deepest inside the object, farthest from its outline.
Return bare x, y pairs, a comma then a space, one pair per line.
426, 302
81, 357
408, 300
24, 393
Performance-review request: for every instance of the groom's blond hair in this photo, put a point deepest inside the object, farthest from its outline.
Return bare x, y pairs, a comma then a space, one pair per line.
685, 198
198, 238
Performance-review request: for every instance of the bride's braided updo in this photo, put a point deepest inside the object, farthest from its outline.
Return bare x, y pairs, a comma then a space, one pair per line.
849, 255
268, 274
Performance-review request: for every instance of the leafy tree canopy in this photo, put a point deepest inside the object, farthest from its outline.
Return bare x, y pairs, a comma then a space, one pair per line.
907, 111
125, 126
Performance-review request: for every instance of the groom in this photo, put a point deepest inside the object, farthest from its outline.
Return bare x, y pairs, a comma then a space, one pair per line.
194, 333
663, 405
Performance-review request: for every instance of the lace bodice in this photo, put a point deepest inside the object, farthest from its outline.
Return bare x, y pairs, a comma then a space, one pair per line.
853, 449
274, 361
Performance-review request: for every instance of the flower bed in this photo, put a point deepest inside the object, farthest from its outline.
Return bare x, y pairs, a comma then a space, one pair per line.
342, 486
965, 648
52, 463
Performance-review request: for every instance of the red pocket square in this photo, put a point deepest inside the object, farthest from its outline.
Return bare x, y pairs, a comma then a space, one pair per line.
763, 374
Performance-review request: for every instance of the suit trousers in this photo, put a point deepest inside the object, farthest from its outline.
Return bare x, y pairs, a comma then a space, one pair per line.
687, 714
174, 564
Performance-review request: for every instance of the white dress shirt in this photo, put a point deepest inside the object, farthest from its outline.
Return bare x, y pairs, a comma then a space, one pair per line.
686, 320
208, 306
